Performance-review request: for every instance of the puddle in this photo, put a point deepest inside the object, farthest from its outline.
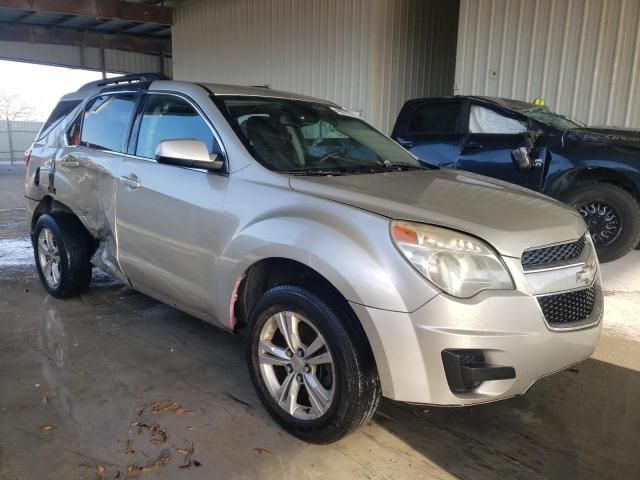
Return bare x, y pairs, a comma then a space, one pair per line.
16, 252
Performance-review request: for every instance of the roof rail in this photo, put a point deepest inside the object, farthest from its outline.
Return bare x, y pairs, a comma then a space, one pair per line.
138, 77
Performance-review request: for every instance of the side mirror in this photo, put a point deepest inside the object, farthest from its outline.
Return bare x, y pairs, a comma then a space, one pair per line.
522, 158
187, 153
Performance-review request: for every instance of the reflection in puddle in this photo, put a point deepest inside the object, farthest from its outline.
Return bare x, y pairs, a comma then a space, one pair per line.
16, 252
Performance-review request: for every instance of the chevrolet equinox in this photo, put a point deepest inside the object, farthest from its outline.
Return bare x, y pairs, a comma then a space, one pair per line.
355, 270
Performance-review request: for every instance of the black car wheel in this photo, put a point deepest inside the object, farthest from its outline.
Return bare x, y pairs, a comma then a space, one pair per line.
63, 255
314, 374
612, 215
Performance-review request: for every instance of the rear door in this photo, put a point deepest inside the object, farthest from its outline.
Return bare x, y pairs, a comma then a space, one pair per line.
492, 136
431, 129
167, 215
86, 168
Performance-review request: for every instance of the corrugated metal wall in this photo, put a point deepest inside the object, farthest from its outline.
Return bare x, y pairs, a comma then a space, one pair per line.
89, 58
581, 56
413, 54
367, 55
15, 137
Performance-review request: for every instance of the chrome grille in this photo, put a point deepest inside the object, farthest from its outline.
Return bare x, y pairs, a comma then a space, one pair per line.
555, 253
565, 310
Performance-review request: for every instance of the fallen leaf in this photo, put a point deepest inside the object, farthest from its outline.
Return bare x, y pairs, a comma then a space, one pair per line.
160, 462
141, 412
99, 470
170, 406
263, 451
188, 452
197, 463
46, 428
159, 434
129, 448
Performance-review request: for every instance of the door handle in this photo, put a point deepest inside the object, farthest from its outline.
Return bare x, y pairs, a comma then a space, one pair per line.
132, 183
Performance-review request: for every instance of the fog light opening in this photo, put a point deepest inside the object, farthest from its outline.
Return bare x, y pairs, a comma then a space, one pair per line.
466, 369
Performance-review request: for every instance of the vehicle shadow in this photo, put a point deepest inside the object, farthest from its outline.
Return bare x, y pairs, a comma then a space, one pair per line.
580, 423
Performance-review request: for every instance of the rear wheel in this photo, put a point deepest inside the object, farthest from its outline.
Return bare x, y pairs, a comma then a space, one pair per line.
314, 374
63, 255
612, 215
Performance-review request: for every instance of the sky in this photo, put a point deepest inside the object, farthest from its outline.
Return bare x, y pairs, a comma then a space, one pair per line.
40, 85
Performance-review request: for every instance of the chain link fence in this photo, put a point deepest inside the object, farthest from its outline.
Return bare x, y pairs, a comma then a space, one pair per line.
15, 137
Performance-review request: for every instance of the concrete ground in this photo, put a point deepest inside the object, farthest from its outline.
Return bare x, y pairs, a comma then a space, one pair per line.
80, 380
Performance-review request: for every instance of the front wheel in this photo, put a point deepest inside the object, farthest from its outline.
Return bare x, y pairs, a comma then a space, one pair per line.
612, 215
311, 368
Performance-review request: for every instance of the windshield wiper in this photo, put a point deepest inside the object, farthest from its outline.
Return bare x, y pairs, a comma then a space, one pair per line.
360, 169
403, 166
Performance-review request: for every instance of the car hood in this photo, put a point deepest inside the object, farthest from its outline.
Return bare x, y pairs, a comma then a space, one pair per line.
606, 135
510, 218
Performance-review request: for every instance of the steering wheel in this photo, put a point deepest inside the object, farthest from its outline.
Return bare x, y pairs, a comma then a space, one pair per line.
328, 156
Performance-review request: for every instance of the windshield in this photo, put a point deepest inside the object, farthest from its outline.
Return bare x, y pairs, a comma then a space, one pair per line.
544, 115
308, 138
540, 113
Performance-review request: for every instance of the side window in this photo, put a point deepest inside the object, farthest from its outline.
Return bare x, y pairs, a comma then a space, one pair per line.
105, 122
73, 132
485, 120
435, 118
167, 117
64, 108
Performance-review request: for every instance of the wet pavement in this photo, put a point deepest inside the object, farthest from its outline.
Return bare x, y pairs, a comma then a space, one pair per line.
115, 384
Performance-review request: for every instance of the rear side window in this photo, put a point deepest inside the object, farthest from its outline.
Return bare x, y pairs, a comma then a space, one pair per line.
63, 109
167, 117
106, 122
435, 118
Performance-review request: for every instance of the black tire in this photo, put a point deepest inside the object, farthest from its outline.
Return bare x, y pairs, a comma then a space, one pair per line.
357, 390
74, 252
627, 210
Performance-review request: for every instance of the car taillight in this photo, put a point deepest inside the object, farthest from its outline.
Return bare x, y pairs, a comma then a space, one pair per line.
27, 158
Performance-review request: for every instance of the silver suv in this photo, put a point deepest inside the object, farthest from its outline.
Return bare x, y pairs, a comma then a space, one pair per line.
356, 270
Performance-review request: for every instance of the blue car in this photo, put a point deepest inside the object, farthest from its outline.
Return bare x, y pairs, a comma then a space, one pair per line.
595, 170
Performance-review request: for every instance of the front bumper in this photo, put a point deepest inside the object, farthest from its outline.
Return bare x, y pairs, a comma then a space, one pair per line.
507, 326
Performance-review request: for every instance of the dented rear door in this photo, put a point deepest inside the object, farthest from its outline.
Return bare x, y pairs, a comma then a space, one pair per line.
87, 166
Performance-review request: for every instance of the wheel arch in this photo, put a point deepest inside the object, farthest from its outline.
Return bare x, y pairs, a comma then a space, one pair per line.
269, 272
580, 177
49, 205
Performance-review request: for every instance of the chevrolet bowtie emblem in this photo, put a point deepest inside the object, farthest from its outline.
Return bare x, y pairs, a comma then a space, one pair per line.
585, 275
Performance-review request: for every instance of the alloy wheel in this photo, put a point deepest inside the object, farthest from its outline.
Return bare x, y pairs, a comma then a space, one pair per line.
49, 257
296, 365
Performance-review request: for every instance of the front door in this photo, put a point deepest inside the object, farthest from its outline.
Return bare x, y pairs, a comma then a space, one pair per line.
167, 215
488, 147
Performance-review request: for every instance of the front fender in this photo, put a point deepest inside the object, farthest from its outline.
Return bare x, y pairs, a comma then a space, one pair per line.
350, 248
612, 163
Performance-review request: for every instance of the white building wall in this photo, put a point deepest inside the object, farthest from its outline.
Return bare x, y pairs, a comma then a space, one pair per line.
367, 55
581, 56
90, 58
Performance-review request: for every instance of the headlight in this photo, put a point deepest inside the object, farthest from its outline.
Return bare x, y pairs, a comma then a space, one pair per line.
459, 264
